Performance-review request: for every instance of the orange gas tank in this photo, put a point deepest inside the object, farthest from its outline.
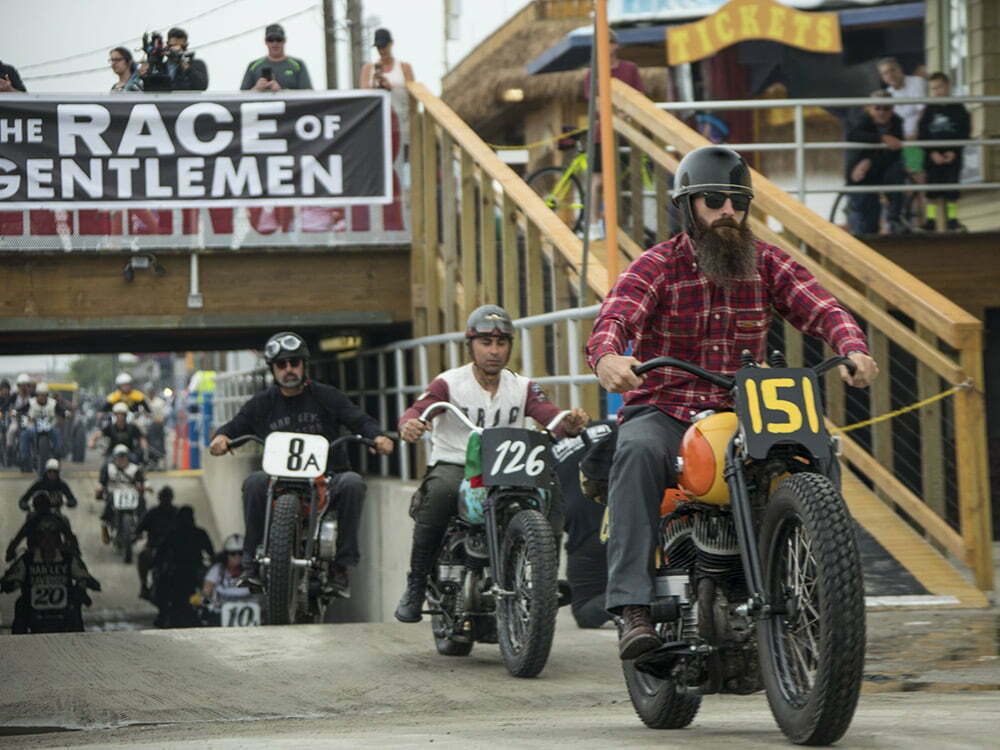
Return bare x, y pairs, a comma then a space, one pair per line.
703, 458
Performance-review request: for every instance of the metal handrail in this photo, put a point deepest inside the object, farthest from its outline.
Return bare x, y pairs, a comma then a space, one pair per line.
800, 146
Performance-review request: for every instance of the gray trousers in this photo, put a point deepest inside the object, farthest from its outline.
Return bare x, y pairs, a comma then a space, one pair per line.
435, 502
643, 467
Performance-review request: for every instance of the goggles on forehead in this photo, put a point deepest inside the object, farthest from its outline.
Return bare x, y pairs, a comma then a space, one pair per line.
288, 343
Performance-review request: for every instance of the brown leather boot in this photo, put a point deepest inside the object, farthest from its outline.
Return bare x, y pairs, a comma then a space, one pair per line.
637, 635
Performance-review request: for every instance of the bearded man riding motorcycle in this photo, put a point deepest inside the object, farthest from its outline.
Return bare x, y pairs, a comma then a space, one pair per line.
704, 296
294, 403
491, 396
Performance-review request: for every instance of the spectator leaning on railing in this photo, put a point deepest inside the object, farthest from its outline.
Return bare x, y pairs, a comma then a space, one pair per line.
877, 123
277, 70
185, 71
943, 122
10, 81
898, 83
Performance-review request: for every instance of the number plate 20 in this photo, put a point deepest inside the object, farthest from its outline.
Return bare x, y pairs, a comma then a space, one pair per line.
295, 454
514, 457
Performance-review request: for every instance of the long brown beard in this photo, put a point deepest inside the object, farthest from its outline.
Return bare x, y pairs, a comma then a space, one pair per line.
725, 250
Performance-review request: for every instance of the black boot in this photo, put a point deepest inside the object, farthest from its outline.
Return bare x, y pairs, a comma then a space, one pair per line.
425, 547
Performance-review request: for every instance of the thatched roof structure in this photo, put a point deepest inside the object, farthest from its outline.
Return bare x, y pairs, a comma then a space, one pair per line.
474, 88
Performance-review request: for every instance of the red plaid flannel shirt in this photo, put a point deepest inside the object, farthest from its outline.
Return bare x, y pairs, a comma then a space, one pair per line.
665, 306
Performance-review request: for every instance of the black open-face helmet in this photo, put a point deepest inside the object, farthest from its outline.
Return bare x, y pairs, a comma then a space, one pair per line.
710, 168
283, 345
489, 320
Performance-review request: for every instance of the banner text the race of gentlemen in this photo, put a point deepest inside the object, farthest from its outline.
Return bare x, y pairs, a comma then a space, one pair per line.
163, 151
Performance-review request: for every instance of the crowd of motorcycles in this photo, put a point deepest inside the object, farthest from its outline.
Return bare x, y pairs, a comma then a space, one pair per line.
45, 562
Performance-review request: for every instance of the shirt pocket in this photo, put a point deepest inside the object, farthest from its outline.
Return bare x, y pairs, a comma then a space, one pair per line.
683, 332
750, 329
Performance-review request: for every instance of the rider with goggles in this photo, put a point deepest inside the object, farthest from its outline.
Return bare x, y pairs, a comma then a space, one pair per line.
704, 296
492, 396
294, 403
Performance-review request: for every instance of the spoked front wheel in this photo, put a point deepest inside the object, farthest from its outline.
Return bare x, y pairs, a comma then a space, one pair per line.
526, 620
812, 652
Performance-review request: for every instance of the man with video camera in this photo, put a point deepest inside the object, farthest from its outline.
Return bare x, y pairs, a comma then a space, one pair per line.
171, 67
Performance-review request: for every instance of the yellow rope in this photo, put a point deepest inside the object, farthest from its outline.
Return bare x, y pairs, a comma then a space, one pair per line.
911, 407
542, 142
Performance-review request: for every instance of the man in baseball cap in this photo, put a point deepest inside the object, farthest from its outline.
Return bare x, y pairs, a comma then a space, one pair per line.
277, 70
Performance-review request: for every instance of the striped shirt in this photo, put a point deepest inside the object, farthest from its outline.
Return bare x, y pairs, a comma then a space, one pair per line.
664, 306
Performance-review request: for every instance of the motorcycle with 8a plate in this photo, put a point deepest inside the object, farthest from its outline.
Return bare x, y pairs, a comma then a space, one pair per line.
758, 574
300, 528
496, 574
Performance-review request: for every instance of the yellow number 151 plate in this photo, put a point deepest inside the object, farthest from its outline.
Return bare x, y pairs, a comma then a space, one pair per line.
780, 405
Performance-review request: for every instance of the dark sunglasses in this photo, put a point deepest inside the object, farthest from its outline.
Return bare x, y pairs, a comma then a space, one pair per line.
281, 364
274, 39
716, 200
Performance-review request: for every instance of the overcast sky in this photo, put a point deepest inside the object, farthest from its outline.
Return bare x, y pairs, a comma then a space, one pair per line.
227, 34
72, 38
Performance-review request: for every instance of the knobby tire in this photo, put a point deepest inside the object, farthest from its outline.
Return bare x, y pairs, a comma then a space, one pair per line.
812, 656
282, 546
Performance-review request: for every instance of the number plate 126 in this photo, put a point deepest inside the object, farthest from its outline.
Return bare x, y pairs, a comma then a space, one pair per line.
514, 457
295, 454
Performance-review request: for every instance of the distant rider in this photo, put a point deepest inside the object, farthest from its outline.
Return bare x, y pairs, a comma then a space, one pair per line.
122, 432
119, 470
295, 403
41, 508
180, 564
223, 578
50, 575
53, 485
41, 407
18, 403
125, 393
155, 525
491, 396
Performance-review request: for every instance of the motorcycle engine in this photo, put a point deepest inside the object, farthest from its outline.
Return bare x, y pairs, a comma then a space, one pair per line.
327, 539
718, 552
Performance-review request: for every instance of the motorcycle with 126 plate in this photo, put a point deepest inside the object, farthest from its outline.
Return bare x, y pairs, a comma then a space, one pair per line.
300, 529
758, 575
496, 574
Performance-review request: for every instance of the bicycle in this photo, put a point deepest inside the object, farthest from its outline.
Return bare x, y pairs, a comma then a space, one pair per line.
561, 189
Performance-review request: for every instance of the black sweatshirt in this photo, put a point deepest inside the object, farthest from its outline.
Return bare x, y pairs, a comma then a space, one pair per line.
864, 129
319, 410
57, 489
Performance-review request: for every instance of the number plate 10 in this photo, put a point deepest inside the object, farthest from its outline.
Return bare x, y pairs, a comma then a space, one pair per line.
780, 405
295, 454
514, 457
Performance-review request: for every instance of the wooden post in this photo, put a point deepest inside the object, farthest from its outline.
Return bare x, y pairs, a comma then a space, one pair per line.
534, 277
418, 285
449, 221
430, 240
488, 227
511, 267
880, 395
663, 229
636, 203
609, 160
470, 283
973, 469
931, 434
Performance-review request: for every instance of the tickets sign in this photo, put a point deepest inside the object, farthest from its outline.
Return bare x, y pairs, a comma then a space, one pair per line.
741, 20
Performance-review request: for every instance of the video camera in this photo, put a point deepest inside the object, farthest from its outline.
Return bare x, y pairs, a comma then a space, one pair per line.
158, 54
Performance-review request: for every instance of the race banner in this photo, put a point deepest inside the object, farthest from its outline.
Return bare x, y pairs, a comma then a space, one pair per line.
156, 151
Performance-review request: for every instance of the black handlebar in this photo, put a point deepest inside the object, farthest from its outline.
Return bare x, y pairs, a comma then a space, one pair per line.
726, 381
236, 442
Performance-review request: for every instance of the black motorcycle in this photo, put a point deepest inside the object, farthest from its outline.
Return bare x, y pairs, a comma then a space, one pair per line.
496, 574
758, 580
300, 529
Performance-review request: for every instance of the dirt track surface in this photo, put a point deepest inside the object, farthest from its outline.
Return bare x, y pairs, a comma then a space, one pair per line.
375, 684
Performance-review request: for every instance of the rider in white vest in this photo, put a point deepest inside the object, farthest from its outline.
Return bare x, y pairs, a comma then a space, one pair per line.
491, 396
